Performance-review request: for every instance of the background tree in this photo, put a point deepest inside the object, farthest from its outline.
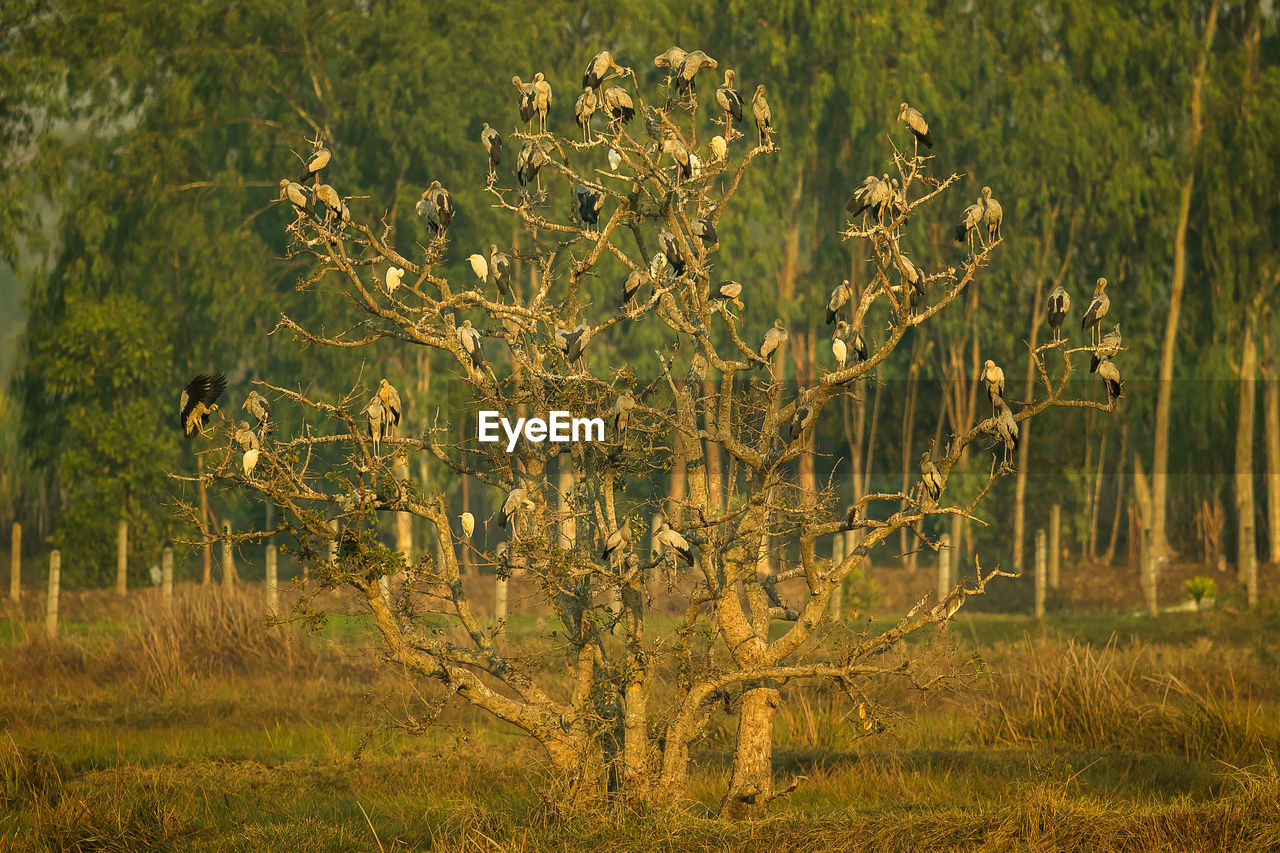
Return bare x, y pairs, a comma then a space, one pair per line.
739, 569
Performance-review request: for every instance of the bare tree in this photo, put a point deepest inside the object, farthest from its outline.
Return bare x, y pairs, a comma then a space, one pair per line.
616, 704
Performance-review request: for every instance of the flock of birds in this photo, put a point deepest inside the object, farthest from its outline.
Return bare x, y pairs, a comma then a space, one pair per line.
882, 196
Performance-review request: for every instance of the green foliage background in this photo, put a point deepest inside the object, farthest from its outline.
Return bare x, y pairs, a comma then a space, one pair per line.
142, 144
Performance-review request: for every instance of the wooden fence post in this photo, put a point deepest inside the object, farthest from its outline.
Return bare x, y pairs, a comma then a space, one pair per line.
166, 575
228, 561
1055, 544
51, 607
944, 566
273, 579
122, 557
15, 565
1041, 572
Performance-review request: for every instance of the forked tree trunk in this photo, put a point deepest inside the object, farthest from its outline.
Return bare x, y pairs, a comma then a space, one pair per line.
751, 779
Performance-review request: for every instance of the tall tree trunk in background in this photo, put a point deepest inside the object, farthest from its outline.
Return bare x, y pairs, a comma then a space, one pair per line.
1246, 541
1271, 396
1095, 499
1120, 478
1024, 442
1164, 389
908, 421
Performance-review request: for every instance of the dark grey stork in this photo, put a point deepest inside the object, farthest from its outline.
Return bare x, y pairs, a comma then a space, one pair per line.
316, 163
678, 152
874, 193
583, 109
469, 340
1107, 348
1098, 308
915, 123
615, 541
1006, 429
667, 243
763, 115
801, 419
199, 400
492, 142
1059, 305
968, 225
994, 214
377, 423
517, 501
245, 437
705, 231
529, 162
632, 285
726, 291
694, 61
435, 206
390, 398
673, 59
1110, 375
730, 101
931, 478
572, 344
839, 296
527, 99
618, 104
336, 207
599, 66
993, 375
542, 97
302, 198
672, 541
622, 410
773, 339
590, 202
500, 269
256, 404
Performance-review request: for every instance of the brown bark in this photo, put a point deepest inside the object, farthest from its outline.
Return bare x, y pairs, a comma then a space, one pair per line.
1164, 389
1246, 541
751, 779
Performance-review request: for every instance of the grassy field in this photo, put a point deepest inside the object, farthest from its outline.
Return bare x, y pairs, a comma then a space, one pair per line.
208, 732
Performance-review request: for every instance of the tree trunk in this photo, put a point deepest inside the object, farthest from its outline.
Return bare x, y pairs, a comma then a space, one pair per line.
1246, 541
1164, 389
1271, 396
908, 421
1095, 500
1115, 519
751, 779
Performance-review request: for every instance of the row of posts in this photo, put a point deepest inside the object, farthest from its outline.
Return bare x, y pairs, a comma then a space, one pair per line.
122, 566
